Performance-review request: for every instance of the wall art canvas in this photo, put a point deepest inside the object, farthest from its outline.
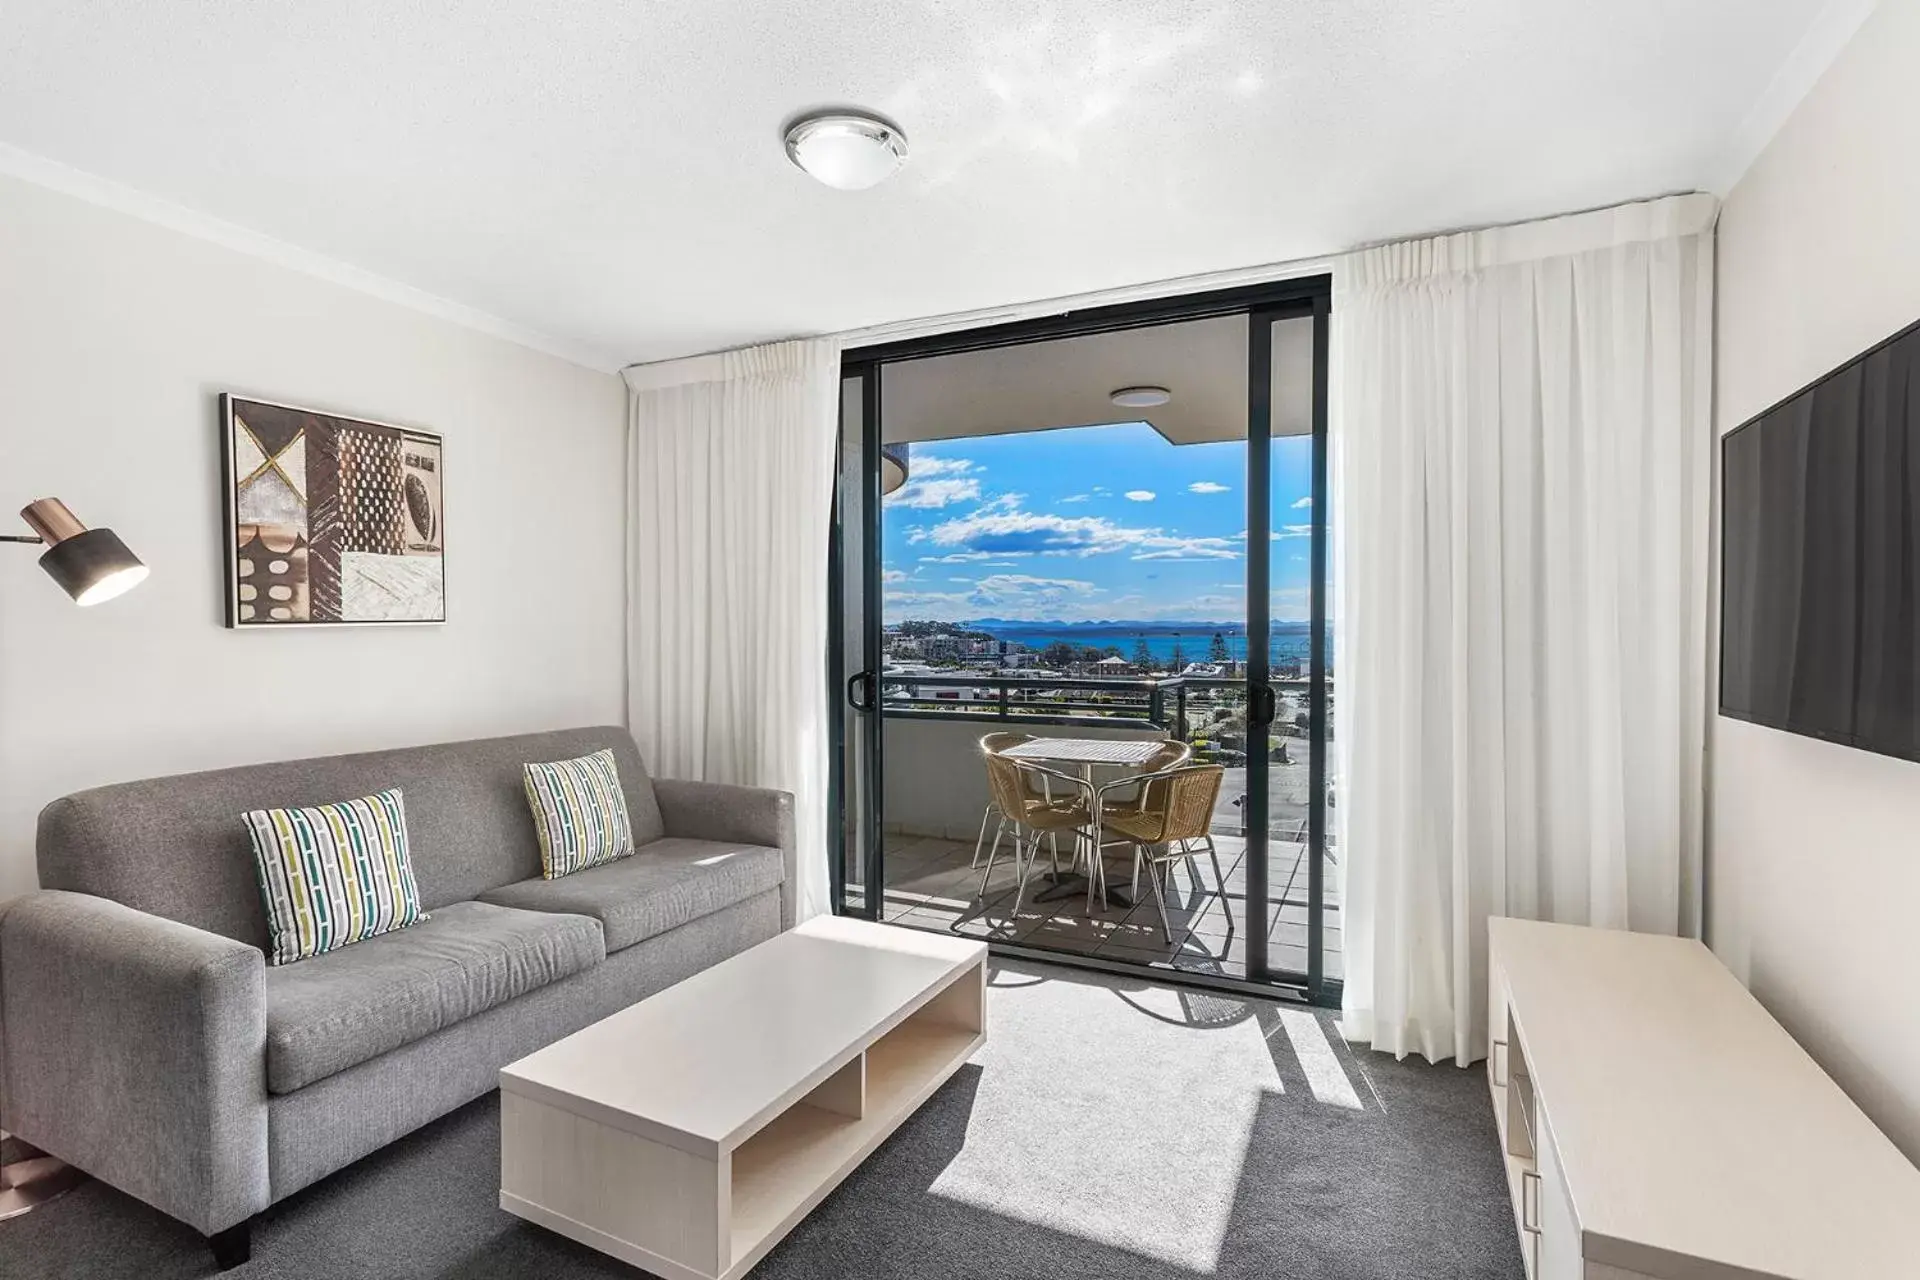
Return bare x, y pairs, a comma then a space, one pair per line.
331, 520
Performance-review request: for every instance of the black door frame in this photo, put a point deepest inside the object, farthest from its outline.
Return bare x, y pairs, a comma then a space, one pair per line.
1262, 304
841, 686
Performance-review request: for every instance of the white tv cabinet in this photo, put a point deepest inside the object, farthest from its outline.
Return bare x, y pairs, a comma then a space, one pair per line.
1658, 1123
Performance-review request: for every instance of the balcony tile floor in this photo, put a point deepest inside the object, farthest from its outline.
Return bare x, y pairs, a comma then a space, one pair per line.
932, 885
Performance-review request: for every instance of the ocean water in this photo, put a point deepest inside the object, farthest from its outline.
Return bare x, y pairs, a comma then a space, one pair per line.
1287, 641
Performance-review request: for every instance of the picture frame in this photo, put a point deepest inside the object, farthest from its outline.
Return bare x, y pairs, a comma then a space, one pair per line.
330, 520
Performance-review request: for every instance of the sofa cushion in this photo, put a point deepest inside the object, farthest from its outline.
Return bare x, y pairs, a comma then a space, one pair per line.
579, 813
662, 886
344, 1007
333, 875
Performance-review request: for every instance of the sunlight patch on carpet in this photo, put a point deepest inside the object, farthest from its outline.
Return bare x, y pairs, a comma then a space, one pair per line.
1122, 1125
1325, 1076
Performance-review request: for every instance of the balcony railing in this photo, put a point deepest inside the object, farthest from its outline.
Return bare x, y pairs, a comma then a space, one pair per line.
1168, 705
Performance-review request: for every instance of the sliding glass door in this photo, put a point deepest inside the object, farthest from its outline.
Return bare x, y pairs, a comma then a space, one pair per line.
857, 761
1066, 569
1291, 679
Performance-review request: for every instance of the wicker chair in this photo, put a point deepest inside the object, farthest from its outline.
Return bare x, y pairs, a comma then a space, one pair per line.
993, 744
1171, 755
1035, 816
1174, 810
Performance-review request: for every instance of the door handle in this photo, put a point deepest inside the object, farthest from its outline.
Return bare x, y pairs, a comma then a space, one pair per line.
859, 691
1264, 706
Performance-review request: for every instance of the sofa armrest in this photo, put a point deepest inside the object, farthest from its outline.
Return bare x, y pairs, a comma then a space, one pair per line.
743, 815
136, 1049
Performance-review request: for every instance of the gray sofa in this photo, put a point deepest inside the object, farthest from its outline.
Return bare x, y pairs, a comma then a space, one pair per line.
144, 1038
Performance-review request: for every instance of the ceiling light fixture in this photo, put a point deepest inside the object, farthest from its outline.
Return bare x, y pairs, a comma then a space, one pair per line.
847, 150
1141, 397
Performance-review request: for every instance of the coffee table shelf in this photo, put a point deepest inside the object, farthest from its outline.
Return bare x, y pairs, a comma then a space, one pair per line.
688, 1133
781, 1172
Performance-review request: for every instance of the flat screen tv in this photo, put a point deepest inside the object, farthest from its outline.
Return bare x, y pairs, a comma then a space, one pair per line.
1820, 557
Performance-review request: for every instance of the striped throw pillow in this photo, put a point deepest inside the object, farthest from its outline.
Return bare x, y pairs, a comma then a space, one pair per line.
334, 874
580, 813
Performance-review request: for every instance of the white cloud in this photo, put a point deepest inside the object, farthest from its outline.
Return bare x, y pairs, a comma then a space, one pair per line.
1022, 592
1303, 504
1027, 582
933, 494
922, 599
1140, 495
894, 575
959, 579
1293, 531
970, 557
1076, 497
1014, 532
1206, 486
1006, 594
927, 465
1190, 553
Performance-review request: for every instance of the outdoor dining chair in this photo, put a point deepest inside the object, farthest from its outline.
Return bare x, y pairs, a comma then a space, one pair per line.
1034, 817
993, 744
1173, 813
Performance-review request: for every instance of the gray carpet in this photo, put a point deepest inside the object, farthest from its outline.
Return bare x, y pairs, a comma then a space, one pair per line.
1110, 1128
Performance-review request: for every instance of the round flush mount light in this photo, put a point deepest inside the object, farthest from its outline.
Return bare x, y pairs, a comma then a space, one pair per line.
847, 150
1141, 397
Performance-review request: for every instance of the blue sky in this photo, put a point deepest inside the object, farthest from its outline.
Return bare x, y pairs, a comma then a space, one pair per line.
1088, 523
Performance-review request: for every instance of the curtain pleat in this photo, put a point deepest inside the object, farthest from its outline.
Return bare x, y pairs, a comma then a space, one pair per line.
732, 461
1521, 467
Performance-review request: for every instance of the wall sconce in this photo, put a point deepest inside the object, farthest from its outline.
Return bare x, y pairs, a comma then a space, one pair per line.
91, 565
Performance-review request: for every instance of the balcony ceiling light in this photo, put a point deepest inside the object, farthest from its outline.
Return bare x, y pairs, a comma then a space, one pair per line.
849, 151
1141, 397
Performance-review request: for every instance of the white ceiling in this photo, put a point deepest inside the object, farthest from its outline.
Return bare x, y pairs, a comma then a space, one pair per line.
609, 172
1068, 382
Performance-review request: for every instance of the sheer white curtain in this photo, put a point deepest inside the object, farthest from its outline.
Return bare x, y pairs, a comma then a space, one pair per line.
1521, 465
730, 496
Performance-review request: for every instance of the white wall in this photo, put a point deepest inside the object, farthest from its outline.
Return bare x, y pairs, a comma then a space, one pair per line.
116, 337
1813, 869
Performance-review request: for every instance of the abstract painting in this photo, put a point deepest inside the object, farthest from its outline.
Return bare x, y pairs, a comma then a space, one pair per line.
331, 520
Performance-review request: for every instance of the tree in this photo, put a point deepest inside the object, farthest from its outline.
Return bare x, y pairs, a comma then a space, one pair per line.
1217, 652
1178, 662
1059, 654
1142, 656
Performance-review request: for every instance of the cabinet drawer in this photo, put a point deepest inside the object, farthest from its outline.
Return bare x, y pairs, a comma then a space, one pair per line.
1558, 1250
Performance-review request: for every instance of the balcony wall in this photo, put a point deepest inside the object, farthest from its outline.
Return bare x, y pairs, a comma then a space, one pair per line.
933, 781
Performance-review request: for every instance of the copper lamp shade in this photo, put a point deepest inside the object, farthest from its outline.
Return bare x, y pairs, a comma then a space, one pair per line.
91, 565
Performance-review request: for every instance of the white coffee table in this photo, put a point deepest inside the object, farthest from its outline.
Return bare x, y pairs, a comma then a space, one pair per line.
688, 1133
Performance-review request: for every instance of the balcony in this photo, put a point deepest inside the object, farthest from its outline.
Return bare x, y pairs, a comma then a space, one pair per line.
935, 793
